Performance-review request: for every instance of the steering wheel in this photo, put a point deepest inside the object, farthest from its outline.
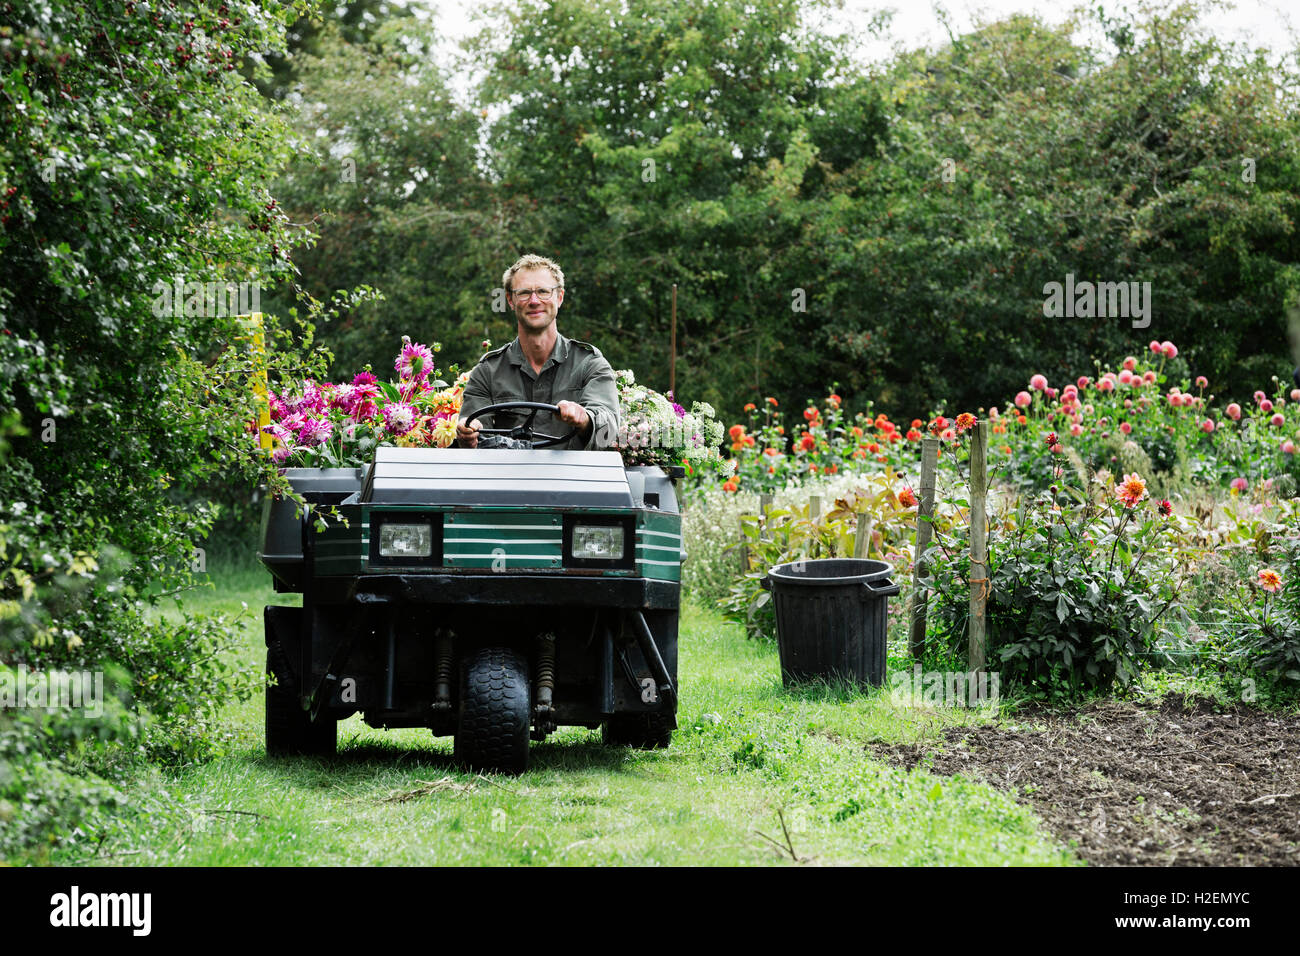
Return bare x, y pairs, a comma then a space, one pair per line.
525, 431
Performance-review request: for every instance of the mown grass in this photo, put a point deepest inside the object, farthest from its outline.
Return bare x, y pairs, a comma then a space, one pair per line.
749, 762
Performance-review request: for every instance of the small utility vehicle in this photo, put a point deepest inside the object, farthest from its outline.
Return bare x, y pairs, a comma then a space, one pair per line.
493, 594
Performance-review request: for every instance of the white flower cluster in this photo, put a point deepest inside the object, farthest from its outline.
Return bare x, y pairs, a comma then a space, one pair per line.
655, 431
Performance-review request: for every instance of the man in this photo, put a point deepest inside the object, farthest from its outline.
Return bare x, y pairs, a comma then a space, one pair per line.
541, 365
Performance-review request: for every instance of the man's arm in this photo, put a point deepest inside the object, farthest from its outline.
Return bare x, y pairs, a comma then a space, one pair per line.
600, 398
477, 395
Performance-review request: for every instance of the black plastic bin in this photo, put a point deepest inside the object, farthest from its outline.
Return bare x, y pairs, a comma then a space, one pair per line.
832, 619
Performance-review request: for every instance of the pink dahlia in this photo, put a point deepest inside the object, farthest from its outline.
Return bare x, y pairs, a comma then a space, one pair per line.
315, 431
365, 403
343, 398
281, 442
415, 361
1131, 490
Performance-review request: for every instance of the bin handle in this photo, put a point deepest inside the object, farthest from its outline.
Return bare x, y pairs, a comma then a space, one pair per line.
888, 591
766, 582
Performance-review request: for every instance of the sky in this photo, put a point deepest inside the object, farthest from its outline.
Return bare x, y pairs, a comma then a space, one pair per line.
1266, 23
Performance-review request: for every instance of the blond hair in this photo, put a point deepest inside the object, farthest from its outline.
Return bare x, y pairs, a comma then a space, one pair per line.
532, 262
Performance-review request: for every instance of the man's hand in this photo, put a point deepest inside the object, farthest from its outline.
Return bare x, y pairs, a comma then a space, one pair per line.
575, 415
467, 435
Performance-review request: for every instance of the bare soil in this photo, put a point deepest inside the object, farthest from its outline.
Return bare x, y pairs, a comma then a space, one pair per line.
1187, 783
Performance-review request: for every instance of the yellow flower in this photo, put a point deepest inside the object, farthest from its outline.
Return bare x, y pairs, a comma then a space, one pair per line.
444, 433
417, 437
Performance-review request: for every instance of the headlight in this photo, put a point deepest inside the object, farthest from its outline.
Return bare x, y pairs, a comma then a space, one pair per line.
601, 542
405, 540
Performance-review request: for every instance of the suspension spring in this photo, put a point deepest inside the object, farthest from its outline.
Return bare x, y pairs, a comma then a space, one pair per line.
545, 670
442, 648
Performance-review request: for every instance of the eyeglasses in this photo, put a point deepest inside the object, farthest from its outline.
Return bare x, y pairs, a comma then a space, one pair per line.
523, 295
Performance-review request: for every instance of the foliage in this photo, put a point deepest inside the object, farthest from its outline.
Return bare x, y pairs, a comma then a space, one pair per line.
132, 157
402, 206
1077, 577
740, 153
793, 533
1270, 644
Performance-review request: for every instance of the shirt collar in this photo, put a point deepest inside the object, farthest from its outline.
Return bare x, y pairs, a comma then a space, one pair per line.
559, 354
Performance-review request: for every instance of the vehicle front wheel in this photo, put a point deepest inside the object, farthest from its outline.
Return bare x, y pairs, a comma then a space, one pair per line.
289, 729
495, 711
642, 731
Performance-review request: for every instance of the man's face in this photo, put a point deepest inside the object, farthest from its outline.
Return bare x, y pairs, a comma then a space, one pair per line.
534, 314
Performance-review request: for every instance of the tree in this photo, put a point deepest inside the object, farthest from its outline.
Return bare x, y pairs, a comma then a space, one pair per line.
133, 156
1017, 156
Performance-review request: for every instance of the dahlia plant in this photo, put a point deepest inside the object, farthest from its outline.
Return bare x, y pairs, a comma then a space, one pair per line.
1269, 644
1151, 414
1077, 579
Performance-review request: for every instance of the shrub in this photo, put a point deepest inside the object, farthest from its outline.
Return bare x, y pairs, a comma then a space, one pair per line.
117, 399
792, 534
1270, 642
1076, 584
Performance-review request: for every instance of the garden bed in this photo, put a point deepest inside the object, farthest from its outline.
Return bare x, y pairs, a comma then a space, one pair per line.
1185, 783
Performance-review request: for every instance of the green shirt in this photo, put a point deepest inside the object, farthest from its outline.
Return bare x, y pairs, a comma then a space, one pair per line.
575, 372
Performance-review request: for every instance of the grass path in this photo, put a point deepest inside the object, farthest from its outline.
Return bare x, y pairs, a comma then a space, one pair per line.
747, 756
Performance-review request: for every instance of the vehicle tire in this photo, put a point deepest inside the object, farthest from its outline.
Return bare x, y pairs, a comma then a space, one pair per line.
642, 731
289, 729
495, 712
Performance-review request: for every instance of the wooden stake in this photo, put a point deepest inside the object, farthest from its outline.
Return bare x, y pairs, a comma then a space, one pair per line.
862, 541
924, 531
257, 339
672, 354
814, 512
979, 569
744, 544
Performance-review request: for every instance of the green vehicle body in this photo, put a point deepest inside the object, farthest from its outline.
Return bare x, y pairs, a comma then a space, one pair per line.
493, 596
